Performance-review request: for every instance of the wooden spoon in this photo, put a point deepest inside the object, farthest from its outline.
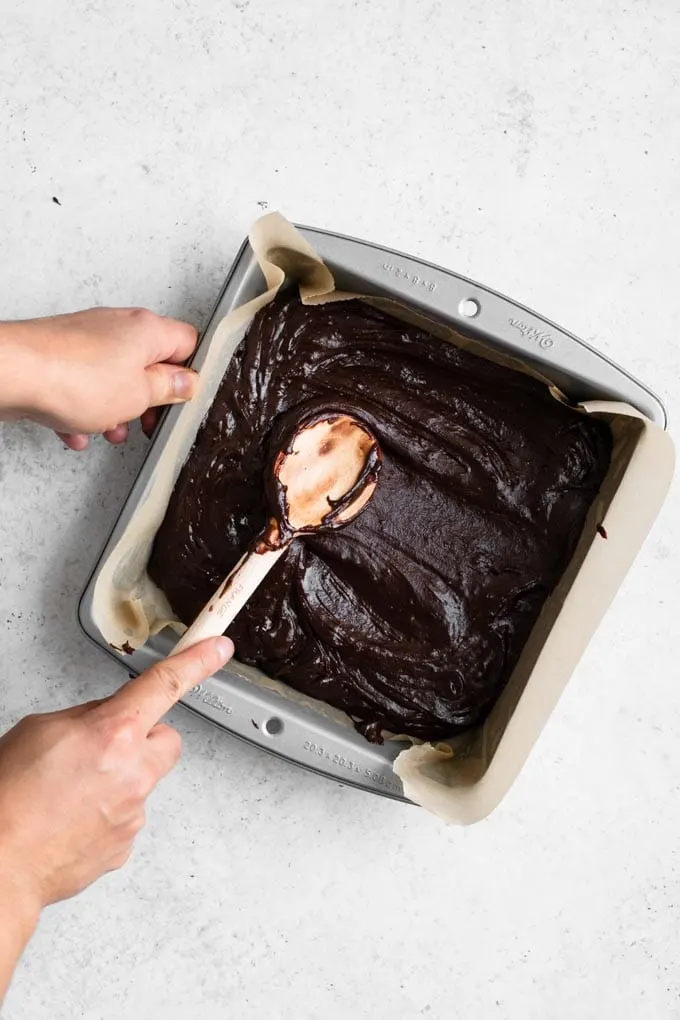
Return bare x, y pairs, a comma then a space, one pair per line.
323, 478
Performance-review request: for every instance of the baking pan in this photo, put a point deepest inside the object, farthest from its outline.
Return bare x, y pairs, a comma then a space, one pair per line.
262, 717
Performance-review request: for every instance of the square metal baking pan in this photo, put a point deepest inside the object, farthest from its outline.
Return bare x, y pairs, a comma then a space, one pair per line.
262, 717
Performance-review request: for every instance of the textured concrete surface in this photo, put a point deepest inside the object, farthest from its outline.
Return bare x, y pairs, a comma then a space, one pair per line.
531, 145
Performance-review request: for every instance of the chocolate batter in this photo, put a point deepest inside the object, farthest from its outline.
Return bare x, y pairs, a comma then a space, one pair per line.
412, 617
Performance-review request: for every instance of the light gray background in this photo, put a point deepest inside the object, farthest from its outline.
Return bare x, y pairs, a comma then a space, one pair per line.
531, 145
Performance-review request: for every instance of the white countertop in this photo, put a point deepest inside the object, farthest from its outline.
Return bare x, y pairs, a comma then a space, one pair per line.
532, 146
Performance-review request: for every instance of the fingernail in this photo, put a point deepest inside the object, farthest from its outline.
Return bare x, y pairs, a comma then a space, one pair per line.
224, 647
184, 384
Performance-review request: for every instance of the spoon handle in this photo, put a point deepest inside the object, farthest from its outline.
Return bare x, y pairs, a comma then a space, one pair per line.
230, 597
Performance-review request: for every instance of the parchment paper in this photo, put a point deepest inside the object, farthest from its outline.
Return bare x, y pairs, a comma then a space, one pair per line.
463, 780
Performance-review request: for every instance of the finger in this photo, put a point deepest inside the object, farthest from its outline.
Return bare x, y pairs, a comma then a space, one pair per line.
170, 384
149, 421
165, 746
151, 694
178, 341
74, 441
117, 435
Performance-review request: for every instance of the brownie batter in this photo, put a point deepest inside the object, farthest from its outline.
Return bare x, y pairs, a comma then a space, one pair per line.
411, 617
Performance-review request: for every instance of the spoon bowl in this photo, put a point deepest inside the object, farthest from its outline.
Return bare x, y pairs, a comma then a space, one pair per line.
322, 476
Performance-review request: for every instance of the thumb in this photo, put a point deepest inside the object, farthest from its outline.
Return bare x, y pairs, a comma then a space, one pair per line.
170, 384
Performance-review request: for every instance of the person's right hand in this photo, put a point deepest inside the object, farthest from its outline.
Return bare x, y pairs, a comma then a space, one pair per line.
73, 784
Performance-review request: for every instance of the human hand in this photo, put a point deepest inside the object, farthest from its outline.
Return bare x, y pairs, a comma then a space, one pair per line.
73, 784
95, 371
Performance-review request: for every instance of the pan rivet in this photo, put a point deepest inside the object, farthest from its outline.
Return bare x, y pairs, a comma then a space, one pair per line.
469, 307
272, 727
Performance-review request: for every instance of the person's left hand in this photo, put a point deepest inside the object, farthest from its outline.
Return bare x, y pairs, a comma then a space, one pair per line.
97, 370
